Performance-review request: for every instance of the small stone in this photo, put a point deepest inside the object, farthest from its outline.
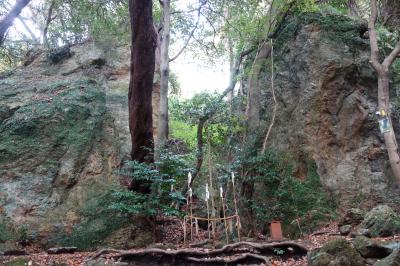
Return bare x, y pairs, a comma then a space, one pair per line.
345, 229
353, 217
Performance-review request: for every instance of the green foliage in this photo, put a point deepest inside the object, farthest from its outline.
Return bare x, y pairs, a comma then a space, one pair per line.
281, 196
22, 233
5, 233
199, 105
387, 40
181, 130
336, 28
159, 180
76, 21
303, 6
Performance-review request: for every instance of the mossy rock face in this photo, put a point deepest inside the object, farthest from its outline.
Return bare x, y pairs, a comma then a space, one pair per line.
64, 131
336, 28
337, 252
381, 221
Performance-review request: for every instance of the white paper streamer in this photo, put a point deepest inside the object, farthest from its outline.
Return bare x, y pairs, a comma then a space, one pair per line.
221, 192
189, 179
190, 192
207, 192
233, 178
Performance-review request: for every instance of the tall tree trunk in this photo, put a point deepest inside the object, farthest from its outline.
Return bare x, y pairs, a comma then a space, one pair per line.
144, 43
382, 69
163, 129
8, 20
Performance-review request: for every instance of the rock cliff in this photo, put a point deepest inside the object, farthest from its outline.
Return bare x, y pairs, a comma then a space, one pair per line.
64, 130
327, 97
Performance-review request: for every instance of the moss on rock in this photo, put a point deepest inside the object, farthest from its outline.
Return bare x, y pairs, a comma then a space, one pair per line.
381, 221
336, 252
336, 28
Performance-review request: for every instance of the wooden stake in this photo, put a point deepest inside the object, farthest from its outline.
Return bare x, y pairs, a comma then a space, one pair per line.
223, 210
208, 213
197, 227
235, 202
213, 224
191, 214
184, 231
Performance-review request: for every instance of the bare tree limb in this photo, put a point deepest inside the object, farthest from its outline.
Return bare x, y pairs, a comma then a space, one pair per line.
202, 3
274, 99
393, 55
8, 20
34, 38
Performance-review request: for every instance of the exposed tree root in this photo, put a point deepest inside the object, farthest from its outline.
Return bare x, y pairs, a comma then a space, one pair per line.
235, 259
231, 253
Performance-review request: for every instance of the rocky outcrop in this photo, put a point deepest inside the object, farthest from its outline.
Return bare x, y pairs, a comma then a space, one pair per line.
327, 97
381, 221
64, 131
336, 252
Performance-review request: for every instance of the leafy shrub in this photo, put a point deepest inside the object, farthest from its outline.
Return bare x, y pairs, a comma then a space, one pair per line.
159, 179
300, 204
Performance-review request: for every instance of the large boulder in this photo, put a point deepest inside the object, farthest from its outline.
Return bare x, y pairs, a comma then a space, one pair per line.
381, 221
337, 252
326, 107
64, 131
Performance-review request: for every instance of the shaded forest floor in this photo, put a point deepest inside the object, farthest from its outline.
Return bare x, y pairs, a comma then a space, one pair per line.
37, 257
41, 258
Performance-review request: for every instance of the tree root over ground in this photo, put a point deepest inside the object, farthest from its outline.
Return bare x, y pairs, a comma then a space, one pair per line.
243, 252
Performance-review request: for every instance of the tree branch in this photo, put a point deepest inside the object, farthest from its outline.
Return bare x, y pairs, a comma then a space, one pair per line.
8, 20
373, 39
393, 55
191, 33
211, 112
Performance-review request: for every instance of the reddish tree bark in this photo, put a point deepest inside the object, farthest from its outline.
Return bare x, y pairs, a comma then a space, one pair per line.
144, 42
8, 20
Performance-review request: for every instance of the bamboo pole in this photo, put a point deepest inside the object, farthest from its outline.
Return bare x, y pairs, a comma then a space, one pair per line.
214, 219
235, 202
197, 227
223, 210
184, 231
191, 213
208, 211
213, 225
